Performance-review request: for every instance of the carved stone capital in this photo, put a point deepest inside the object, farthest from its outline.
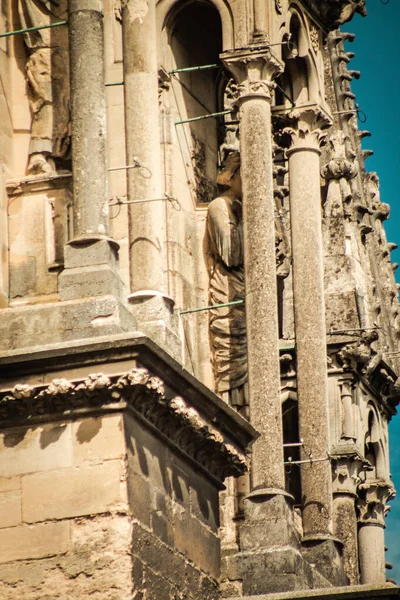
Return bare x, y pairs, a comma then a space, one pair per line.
306, 128
346, 473
253, 70
371, 503
145, 396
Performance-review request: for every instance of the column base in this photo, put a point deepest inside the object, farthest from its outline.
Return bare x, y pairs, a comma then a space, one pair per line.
270, 559
268, 517
325, 553
154, 313
91, 269
270, 571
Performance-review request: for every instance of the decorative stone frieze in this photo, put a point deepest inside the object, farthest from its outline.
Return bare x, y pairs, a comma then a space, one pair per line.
372, 499
139, 391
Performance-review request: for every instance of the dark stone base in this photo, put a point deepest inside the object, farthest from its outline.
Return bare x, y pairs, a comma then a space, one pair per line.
326, 555
272, 571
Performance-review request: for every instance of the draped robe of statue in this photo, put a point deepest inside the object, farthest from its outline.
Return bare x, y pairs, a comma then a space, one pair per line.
47, 70
227, 325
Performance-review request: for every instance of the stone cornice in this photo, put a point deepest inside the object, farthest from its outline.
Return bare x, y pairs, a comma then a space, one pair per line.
137, 390
125, 373
38, 183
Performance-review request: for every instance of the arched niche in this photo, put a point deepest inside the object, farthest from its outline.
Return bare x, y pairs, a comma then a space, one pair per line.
167, 10
299, 80
194, 32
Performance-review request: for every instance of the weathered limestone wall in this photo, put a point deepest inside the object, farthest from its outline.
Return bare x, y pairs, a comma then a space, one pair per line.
64, 521
79, 518
175, 545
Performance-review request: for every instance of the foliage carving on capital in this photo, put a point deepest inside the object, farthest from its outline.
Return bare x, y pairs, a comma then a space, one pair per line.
254, 71
371, 503
306, 129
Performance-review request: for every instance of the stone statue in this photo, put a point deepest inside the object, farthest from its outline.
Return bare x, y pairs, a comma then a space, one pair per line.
47, 70
227, 325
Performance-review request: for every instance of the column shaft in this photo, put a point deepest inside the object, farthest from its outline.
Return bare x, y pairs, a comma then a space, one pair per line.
345, 529
309, 310
88, 108
261, 292
146, 231
371, 550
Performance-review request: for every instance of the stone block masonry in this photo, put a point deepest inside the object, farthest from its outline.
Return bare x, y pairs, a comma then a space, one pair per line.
99, 496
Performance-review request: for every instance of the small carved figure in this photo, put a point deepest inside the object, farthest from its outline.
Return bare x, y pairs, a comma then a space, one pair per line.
338, 172
227, 324
47, 70
363, 352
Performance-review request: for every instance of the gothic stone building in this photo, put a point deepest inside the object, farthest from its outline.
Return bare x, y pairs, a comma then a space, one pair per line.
184, 207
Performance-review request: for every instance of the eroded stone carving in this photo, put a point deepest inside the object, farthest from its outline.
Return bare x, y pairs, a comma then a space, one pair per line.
282, 223
379, 210
230, 142
371, 503
227, 325
47, 70
364, 353
314, 37
146, 395
337, 12
338, 172
346, 471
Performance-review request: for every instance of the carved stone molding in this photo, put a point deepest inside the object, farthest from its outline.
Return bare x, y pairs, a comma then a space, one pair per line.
346, 473
371, 503
253, 70
307, 128
314, 37
145, 396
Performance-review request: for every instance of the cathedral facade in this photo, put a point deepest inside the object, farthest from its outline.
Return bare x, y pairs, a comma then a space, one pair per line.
199, 321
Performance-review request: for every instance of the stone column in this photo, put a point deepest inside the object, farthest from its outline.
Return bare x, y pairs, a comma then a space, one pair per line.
88, 108
346, 469
309, 310
148, 296
371, 504
90, 257
254, 72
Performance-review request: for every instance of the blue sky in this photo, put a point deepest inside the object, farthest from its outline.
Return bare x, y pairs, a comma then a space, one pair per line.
377, 52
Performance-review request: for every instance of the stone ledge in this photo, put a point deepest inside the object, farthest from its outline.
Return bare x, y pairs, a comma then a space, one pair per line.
355, 592
211, 435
